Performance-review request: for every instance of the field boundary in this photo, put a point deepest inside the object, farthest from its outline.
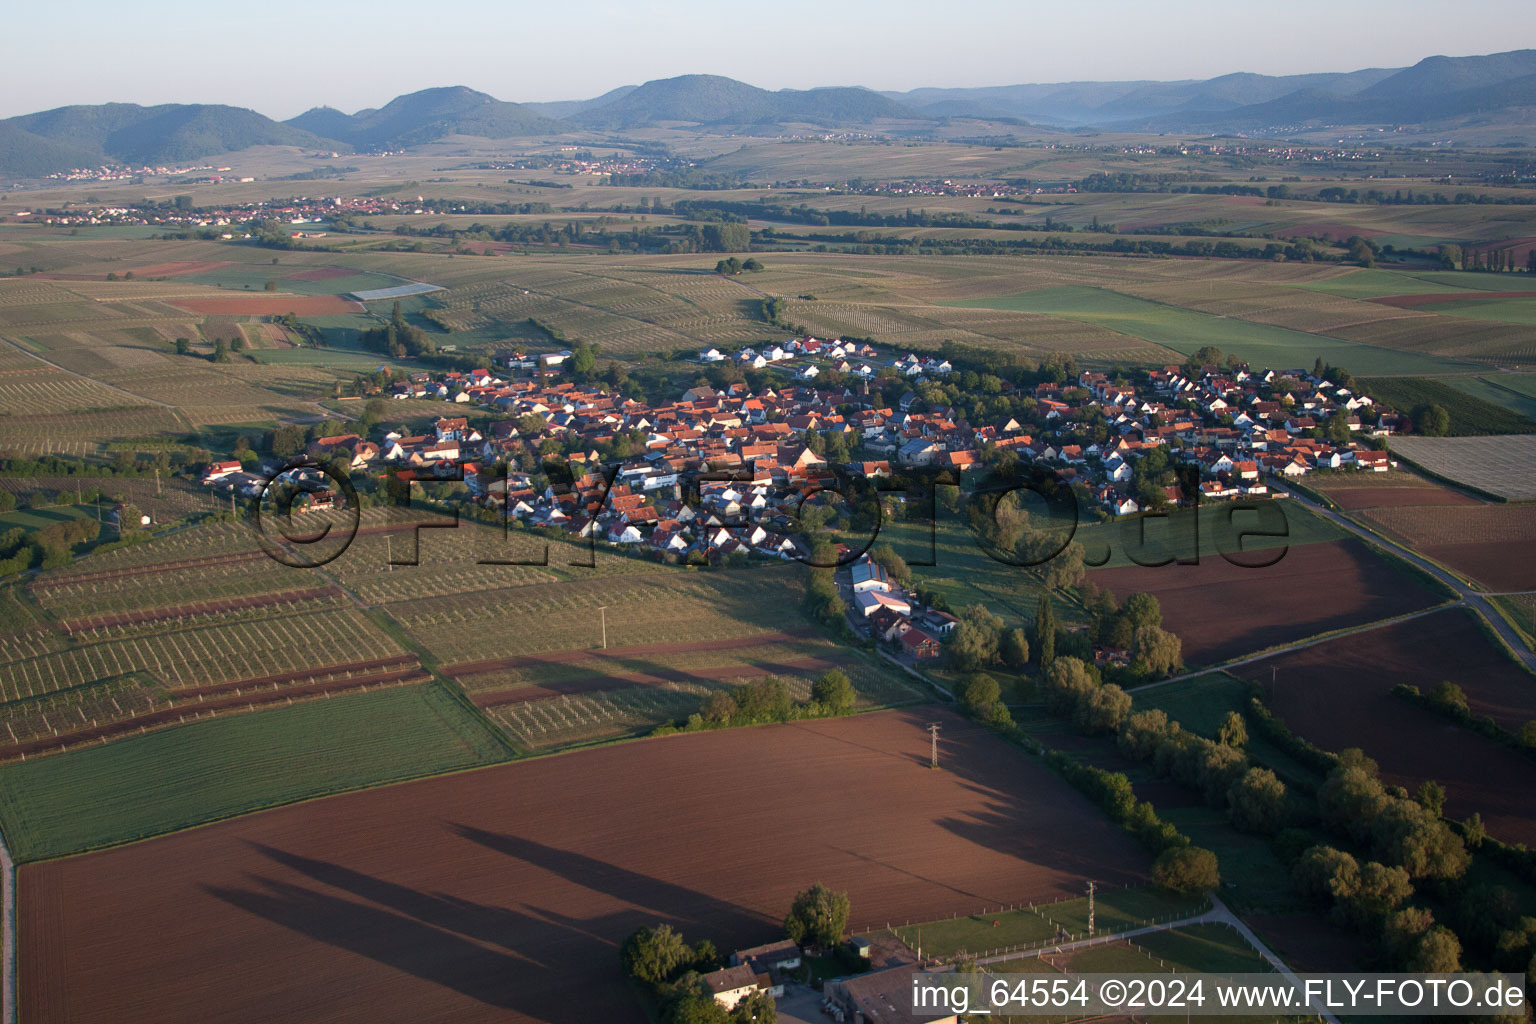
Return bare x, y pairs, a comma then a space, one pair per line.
8, 926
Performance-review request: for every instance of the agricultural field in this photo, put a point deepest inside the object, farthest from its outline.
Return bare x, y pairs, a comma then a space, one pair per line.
1493, 544
1470, 415
1504, 466
227, 766
1339, 694
1223, 611
501, 894
1185, 330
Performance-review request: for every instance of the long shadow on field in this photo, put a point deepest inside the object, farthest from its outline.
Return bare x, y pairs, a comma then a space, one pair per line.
395, 940
1059, 829
652, 898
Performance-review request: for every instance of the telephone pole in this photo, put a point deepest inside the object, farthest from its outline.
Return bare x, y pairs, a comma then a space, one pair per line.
1090, 909
933, 754
602, 611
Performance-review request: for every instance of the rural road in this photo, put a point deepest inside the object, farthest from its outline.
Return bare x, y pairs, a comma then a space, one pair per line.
1219, 913
1297, 646
1475, 599
7, 936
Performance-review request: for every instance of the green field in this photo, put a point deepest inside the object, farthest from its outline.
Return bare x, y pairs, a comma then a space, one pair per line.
100, 796
1115, 910
1470, 414
1185, 330
1504, 311
1376, 284
1514, 391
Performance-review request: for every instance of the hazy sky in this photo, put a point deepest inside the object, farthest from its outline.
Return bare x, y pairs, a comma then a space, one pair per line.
283, 56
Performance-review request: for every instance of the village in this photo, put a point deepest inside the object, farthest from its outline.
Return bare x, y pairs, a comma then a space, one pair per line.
729, 475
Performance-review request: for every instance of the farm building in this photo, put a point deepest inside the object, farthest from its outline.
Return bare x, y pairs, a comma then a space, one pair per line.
884, 996
919, 644
872, 601
868, 576
730, 985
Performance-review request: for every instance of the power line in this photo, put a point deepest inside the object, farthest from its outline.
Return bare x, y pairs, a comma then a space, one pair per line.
933, 732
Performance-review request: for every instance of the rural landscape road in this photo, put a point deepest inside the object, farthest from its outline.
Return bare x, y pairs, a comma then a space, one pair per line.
1475, 599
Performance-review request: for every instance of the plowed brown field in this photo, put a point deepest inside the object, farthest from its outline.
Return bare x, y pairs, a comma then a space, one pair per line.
1221, 610
1339, 694
503, 894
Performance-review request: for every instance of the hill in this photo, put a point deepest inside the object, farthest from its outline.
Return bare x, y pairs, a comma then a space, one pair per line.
429, 114
127, 133
566, 108
712, 99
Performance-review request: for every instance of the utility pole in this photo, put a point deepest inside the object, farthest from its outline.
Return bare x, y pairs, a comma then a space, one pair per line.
1090, 909
933, 754
602, 611
157, 481
389, 554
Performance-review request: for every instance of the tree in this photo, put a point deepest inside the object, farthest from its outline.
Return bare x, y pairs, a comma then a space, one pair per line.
1015, 648
1406, 834
894, 565
726, 237
1327, 874
696, 1006
1431, 796
583, 361
1156, 651
220, 350
1045, 631
1402, 930
1438, 952
1186, 869
183, 346
1065, 682
1431, 420
1101, 709
757, 1008
818, 917
976, 638
1257, 802
979, 692
270, 286
834, 691
654, 955
1448, 695
1233, 731
237, 343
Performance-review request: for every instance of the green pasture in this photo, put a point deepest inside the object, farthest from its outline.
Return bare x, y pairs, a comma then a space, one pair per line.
147, 785
1514, 391
1185, 330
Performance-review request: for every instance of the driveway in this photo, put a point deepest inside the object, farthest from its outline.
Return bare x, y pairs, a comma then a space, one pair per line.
801, 1005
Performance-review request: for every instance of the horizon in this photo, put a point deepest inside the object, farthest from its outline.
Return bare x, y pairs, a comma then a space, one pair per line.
1177, 42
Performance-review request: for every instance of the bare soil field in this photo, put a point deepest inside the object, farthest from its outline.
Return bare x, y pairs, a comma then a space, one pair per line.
502, 895
1222, 611
1493, 544
271, 305
1339, 694
1353, 499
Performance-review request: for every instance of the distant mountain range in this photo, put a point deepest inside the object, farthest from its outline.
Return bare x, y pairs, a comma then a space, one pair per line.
1494, 89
